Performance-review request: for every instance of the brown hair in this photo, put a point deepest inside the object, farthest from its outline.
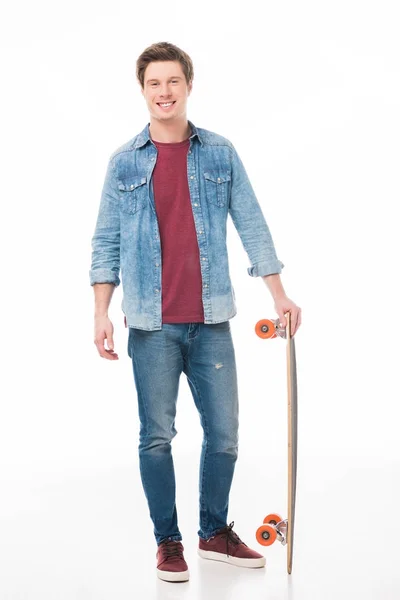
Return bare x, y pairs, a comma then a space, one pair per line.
163, 51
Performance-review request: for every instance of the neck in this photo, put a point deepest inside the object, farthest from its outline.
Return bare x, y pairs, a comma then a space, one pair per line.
169, 132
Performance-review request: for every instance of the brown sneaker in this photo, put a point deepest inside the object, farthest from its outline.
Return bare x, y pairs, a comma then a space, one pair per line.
227, 546
171, 565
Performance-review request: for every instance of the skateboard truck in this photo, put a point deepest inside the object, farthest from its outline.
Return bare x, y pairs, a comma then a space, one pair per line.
268, 328
281, 529
274, 528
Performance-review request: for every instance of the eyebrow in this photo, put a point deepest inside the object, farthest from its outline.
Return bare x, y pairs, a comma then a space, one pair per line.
173, 77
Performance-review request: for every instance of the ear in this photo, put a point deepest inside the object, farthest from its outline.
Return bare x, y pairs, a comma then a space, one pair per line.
190, 86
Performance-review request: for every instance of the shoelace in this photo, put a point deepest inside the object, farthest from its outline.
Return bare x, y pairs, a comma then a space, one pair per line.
228, 533
172, 549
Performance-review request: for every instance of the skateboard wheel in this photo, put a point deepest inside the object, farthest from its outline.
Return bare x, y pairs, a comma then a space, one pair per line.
273, 519
266, 535
265, 329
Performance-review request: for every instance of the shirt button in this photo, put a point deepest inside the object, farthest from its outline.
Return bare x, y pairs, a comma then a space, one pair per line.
205, 285
195, 204
132, 186
219, 179
191, 177
204, 259
200, 232
156, 291
157, 265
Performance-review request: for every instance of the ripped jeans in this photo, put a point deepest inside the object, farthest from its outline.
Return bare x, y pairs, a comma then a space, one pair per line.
205, 353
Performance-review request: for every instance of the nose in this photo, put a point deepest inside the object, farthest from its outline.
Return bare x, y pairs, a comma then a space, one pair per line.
164, 90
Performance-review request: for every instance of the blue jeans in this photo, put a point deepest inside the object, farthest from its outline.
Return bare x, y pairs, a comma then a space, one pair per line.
205, 353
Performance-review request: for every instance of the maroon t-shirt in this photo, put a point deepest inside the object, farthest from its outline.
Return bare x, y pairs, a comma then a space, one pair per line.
181, 275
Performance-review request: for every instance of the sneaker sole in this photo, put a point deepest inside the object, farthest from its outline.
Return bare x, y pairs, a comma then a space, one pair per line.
252, 563
172, 576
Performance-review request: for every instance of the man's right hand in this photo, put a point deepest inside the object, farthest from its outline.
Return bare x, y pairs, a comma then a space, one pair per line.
103, 330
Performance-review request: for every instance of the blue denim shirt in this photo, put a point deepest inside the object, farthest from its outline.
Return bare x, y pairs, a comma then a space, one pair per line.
127, 237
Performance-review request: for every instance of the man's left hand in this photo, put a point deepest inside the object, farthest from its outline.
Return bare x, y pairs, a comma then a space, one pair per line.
284, 305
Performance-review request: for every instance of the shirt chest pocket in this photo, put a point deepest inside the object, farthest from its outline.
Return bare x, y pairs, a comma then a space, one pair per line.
217, 187
132, 194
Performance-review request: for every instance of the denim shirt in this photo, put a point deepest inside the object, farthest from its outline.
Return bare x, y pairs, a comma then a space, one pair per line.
127, 237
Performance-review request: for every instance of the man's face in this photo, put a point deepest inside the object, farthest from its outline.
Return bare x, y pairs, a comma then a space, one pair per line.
165, 83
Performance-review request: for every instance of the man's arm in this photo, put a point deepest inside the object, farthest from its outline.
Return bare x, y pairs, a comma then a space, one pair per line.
250, 222
102, 297
254, 232
105, 266
274, 284
103, 327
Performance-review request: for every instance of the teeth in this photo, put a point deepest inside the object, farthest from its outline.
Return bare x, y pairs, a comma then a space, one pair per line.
167, 104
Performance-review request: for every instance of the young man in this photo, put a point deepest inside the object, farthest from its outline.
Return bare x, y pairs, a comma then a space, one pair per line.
162, 221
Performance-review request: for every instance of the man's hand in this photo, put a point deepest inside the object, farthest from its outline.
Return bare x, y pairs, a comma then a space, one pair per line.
103, 330
283, 304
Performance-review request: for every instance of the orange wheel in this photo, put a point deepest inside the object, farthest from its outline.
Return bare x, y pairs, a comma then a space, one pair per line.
266, 535
265, 329
272, 519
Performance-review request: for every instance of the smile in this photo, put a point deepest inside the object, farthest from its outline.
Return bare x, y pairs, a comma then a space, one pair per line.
166, 105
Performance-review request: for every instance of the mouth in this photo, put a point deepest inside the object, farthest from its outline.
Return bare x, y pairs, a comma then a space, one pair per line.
165, 106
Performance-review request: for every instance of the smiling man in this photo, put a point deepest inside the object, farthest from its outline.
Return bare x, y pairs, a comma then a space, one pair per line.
162, 224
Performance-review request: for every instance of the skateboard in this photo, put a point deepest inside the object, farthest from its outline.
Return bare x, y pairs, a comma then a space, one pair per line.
274, 527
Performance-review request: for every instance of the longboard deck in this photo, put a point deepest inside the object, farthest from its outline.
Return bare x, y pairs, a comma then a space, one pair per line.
274, 526
292, 442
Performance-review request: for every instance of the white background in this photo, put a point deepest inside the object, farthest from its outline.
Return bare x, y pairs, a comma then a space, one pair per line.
308, 92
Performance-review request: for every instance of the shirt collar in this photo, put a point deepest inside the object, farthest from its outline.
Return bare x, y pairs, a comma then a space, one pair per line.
144, 135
